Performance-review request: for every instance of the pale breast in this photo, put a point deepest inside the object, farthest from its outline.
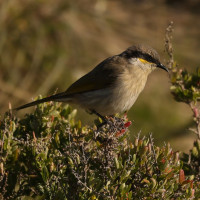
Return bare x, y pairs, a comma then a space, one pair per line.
128, 88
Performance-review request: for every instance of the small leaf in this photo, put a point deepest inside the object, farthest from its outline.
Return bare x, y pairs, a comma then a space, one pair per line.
136, 142
45, 174
70, 161
181, 176
127, 124
145, 181
1, 168
195, 152
116, 163
154, 182
134, 158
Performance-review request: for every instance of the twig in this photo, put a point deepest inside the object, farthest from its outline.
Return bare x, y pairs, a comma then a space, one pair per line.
154, 153
168, 45
195, 111
79, 181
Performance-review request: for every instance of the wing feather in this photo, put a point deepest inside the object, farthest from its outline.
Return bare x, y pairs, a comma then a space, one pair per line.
102, 76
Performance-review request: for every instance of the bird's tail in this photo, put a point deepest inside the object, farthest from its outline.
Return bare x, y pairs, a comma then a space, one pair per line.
57, 97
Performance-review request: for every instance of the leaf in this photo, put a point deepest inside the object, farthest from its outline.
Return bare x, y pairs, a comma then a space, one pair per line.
154, 182
181, 176
145, 181
195, 152
116, 163
45, 174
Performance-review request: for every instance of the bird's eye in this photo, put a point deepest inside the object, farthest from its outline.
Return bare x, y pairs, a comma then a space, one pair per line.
144, 61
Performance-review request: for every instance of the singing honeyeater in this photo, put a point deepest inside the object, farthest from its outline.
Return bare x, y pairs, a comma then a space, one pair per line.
113, 85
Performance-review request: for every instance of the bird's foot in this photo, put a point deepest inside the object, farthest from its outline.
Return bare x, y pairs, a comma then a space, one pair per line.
99, 126
105, 121
116, 124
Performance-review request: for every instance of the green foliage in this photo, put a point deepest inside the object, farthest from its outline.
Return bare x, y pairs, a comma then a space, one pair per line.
49, 155
192, 161
185, 86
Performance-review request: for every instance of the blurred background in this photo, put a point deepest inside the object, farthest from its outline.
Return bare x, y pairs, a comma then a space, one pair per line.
45, 45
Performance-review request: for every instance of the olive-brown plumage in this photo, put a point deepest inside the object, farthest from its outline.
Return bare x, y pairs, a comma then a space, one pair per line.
113, 85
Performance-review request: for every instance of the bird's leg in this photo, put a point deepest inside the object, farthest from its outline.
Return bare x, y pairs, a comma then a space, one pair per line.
105, 121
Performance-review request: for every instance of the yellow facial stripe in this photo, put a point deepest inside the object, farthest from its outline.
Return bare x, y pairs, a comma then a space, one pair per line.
144, 61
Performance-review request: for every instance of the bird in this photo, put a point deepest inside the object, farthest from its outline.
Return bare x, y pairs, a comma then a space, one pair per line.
113, 85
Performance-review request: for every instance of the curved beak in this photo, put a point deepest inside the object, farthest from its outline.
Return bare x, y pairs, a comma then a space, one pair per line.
162, 67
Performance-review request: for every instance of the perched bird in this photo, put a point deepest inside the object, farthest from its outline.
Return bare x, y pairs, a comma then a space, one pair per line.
113, 85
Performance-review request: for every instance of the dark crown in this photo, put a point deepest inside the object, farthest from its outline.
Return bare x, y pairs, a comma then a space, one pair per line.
142, 51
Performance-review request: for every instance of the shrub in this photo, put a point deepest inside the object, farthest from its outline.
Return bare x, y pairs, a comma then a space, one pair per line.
49, 155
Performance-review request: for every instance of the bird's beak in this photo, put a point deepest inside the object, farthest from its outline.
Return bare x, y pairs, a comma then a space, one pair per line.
162, 67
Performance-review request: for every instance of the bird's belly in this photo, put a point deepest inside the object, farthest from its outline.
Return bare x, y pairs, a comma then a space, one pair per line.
102, 101
110, 101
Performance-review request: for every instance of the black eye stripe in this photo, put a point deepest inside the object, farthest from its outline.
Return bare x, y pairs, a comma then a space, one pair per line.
147, 57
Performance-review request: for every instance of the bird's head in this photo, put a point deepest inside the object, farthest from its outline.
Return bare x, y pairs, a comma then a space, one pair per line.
144, 57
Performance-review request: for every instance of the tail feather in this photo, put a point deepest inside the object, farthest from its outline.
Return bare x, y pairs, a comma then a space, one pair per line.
56, 97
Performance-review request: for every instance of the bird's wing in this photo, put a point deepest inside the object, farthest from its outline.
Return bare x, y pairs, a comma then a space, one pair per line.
102, 76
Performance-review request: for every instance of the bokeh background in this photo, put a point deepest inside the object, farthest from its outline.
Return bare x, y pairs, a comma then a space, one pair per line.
45, 45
